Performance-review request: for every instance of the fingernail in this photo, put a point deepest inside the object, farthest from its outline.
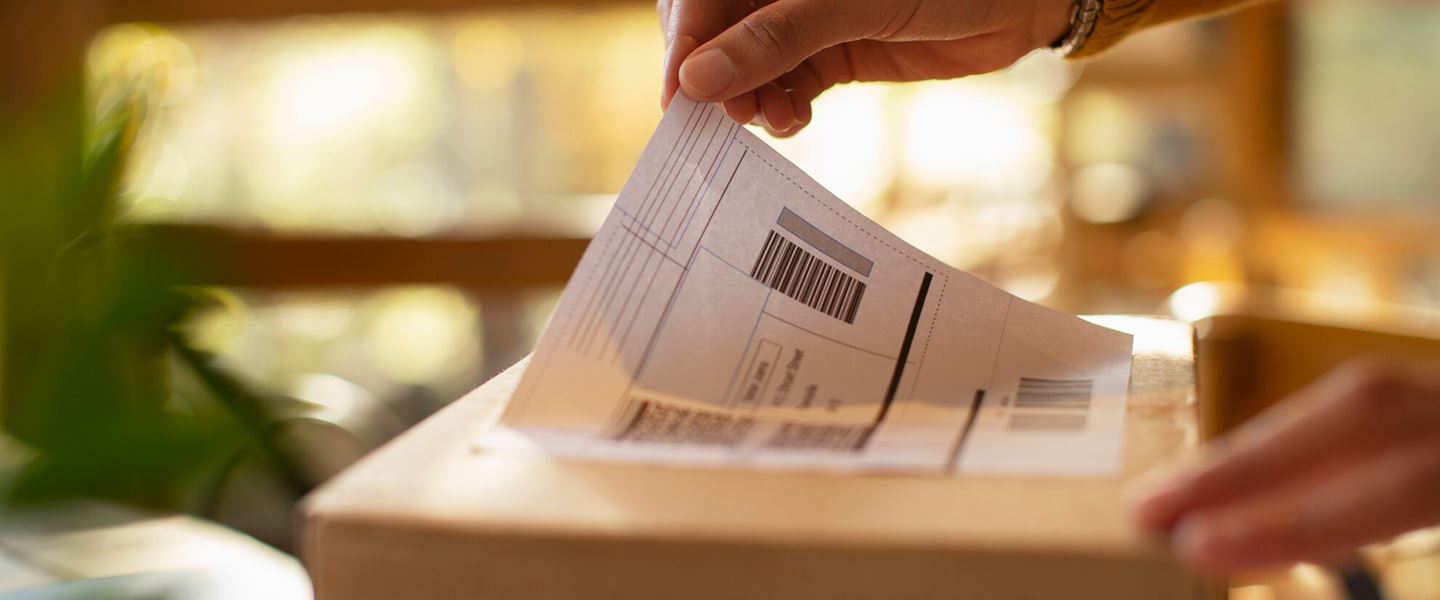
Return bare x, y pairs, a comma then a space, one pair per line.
1193, 540
774, 126
1205, 544
800, 123
770, 128
708, 73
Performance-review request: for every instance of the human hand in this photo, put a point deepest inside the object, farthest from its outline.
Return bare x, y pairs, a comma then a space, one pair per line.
1352, 459
767, 60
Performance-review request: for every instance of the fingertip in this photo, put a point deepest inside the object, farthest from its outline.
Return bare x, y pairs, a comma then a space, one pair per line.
800, 115
1194, 541
707, 75
796, 126
770, 128
668, 87
763, 123
776, 107
803, 112
793, 131
1205, 544
1156, 500
675, 54
742, 108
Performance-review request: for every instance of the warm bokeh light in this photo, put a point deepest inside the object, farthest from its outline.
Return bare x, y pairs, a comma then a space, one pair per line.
493, 122
419, 335
1108, 192
1211, 227
1151, 259
384, 125
1196, 301
487, 53
930, 160
1365, 134
379, 341
1104, 128
972, 137
1100, 192
849, 147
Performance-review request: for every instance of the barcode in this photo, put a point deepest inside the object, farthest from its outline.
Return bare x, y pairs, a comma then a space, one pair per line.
818, 436
652, 422
1050, 404
657, 423
798, 274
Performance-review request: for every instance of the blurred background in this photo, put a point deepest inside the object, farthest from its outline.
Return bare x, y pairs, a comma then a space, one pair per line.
369, 207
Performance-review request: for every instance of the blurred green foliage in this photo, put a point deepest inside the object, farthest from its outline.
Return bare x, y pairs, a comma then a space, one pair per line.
97, 382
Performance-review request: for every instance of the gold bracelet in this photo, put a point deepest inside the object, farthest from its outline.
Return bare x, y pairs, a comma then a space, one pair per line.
1084, 14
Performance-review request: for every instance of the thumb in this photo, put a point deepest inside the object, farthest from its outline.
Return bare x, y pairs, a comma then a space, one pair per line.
769, 43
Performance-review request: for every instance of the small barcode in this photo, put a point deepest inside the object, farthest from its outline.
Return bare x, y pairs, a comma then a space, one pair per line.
652, 422
657, 423
795, 272
1052, 404
819, 436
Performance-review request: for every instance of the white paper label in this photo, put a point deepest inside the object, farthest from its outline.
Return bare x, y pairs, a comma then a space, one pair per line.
730, 311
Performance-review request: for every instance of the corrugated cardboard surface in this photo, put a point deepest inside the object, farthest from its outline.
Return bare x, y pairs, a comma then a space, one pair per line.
429, 516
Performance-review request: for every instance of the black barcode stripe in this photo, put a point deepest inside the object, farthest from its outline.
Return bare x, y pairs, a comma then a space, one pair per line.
795, 272
1052, 404
764, 256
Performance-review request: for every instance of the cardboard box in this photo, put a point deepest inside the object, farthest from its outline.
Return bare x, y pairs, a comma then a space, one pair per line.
429, 516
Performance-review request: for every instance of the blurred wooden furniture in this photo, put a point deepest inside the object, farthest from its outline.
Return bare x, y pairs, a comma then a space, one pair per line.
1259, 344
